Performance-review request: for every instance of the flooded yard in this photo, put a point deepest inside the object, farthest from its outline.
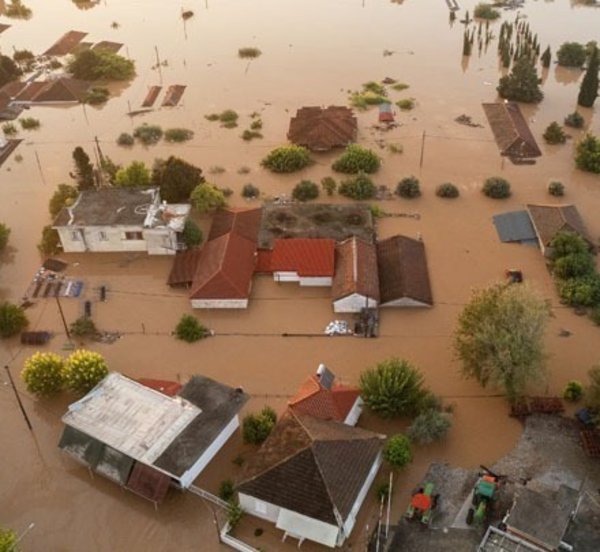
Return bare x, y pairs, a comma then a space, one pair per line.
313, 53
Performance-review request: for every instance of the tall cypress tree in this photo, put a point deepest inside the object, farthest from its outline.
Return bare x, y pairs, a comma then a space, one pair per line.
84, 170
522, 84
589, 85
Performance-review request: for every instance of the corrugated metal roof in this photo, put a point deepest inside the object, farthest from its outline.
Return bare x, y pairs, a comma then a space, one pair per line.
515, 226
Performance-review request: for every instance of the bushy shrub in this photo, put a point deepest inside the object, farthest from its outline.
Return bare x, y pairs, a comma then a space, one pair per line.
305, 191
329, 185
583, 291
248, 135
587, 154
360, 187
574, 265
397, 451
96, 95
99, 64
29, 123
556, 189
50, 242
206, 198
496, 187
226, 490
43, 373
178, 134
148, 134
406, 104
83, 327
125, 139
9, 540
447, 190
554, 134
249, 52
192, 235
9, 129
250, 191
176, 179
190, 330
574, 120
573, 391
486, 11
235, 513
4, 235
287, 159
356, 159
595, 315
64, 196
257, 427
83, 370
408, 188
571, 54
429, 426
135, 175
568, 243
12, 319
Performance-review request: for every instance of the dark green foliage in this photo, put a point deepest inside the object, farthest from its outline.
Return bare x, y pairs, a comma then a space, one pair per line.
589, 85
397, 451
96, 95
329, 185
4, 235
9, 129
176, 179
571, 54
125, 139
84, 171
587, 154
207, 197
573, 391
496, 188
228, 118
305, 191
249, 53
574, 265
250, 191
65, 195
429, 426
447, 190
83, 327
248, 135
382, 491
190, 330
23, 57
12, 319
360, 187
9, 71
235, 513
486, 11
580, 292
9, 540
226, 490
554, 134
522, 84
393, 388
257, 427
357, 159
568, 243
408, 188
50, 242
595, 315
178, 135
546, 58
18, 10
192, 235
29, 123
109, 169
556, 189
574, 120
148, 134
287, 159
101, 65
135, 175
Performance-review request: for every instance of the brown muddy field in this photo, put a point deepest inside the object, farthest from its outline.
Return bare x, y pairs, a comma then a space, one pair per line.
313, 53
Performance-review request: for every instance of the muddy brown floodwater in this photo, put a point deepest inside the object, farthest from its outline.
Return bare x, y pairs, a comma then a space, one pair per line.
313, 53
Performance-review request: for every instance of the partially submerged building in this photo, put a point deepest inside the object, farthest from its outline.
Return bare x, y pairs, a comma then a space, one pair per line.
146, 440
321, 129
311, 477
119, 220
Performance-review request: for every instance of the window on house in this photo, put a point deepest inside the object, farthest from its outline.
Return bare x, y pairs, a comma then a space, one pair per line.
102, 236
134, 236
75, 235
260, 507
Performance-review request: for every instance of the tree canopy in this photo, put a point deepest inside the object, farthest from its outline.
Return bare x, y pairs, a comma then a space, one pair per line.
101, 64
571, 54
84, 170
499, 337
83, 370
522, 84
587, 154
589, 85
9, 70
176, 179
63, 196
136, 175
206, 198
12, 319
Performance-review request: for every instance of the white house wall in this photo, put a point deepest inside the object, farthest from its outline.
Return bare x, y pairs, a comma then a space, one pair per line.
353, 303
69, 244
286, 277
404, 302
259, 508
161, 241
219, 303
320, 281
355, 412
188, 477
351, 519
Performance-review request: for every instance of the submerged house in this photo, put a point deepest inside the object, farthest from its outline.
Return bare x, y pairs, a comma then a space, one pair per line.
119, 220
403, 273
322, 129
321, 397
146, 440
311, 477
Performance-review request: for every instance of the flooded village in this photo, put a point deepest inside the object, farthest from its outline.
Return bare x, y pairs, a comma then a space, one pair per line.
311, 282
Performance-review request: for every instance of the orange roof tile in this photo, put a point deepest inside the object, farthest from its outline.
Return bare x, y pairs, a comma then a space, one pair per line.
306, 256
322, 129
355, 269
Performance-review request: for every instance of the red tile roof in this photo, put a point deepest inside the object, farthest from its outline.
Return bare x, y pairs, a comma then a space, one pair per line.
322, 129
306, 256
169, 388
184, 267
355, 269
315, 400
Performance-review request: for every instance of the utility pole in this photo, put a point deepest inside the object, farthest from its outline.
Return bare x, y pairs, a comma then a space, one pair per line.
39, 164
422, 150
12, 384
62, 315
158, 64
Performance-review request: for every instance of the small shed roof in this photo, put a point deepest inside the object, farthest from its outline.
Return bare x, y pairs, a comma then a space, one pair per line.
168, 388
148, 482
184, 267
548, 220
322, 129
309, 257
355, 269
510, 130
403, 272
515, 226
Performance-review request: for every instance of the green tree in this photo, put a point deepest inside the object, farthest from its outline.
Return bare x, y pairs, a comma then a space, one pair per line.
571, 54
582, 291
429, 426
257, 427
554, 134
206, 198
329, 185
574, 120
192, 235
499, 337
589, 85
176, 179
84, 171
546, 58
148, 134
587, 154
357, 159
568, 243
360, 187
50, 242
83, 327
305, 191
573, 391
522, 84
574, 265
136, 175
496, 187
397, 451
9, 70
8, 540
408, 188
12, 319
189, 329
43, 373
83, 370
64, 196
101, 64
393, 388
4, 235
287, 159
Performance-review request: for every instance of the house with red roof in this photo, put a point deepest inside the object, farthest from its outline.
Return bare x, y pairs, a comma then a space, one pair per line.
308, 261
321, 397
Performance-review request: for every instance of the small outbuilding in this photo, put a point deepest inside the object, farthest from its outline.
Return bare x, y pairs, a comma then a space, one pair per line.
321, 129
